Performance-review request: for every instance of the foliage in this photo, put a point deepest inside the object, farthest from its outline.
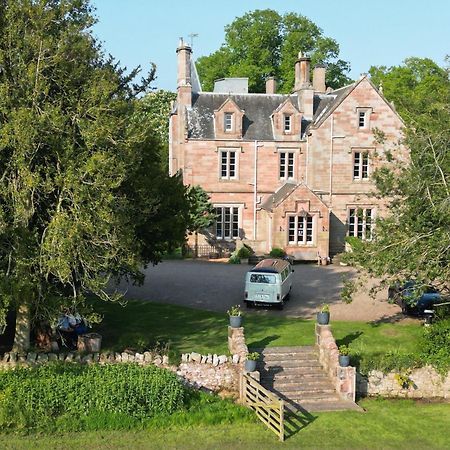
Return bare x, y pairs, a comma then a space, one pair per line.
33, 397
82, 194
154, 109
234, 259
435, 345
277, 252
324, 308
235, 311
201, 211
344, 350
391, 361
411, 242
348, 289
253, 356
245, 252
264, 43
403, 379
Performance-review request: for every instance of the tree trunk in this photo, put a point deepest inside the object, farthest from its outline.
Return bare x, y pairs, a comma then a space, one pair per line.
23, 326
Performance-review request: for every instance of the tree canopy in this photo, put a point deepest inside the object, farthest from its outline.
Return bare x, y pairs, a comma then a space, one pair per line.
413, 240
82, 193
264, 43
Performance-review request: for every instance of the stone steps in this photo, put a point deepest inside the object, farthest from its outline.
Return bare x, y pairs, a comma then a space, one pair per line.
296, 375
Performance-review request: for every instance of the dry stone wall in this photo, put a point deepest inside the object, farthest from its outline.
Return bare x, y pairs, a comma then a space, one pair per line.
424, 382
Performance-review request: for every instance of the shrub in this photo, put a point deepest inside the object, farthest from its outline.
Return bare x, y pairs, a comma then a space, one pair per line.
393, 361
324, 308
235, 311
244, 252
234, 259
34, 397
254, 356
344, 350
277, 252
435, 345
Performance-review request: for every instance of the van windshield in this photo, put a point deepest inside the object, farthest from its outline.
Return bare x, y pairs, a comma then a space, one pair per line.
262, 278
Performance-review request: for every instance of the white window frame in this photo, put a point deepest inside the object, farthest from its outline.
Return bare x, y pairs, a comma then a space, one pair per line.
301, 225
286, 164
229, 229
363, 117
361, 165
228, 165
287, 123
228, 122
361, 221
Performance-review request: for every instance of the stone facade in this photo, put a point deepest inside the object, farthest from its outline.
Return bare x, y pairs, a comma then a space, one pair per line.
283, 156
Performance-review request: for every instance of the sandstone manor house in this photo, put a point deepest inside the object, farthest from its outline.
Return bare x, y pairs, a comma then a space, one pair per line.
289, 171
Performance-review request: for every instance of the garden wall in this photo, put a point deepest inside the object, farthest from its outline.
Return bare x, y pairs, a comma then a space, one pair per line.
213, 372
424, 382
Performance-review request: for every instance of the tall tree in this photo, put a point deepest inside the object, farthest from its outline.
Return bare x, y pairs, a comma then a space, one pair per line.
154, 110
201, 212
413, 241
82, 194
264, 43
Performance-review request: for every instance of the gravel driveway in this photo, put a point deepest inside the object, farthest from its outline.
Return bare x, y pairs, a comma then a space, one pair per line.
216, 286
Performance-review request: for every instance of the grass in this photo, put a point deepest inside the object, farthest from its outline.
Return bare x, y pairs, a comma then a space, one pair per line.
386, 424
141, 324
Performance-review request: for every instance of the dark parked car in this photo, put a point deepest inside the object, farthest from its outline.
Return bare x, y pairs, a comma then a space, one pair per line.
411, 302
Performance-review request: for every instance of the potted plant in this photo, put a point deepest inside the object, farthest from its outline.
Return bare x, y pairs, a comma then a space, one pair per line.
323, 316
235, 316
344, 356
250, 363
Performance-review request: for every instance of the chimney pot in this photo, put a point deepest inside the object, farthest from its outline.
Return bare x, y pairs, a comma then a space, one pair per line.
271, 85
302, 77
319, 74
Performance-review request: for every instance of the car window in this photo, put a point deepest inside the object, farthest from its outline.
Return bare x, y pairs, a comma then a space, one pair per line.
262, 278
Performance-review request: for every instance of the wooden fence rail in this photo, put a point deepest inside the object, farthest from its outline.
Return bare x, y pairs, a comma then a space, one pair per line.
267, 406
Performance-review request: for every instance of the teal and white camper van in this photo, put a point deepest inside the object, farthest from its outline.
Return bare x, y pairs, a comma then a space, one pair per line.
268, 283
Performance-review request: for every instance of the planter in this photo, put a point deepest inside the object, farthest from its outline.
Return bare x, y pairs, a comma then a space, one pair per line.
90, 343
323, 318
250, 366
235, 321
344, 360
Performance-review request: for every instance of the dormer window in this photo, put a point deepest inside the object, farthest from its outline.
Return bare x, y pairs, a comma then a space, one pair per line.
287, 123
228, 121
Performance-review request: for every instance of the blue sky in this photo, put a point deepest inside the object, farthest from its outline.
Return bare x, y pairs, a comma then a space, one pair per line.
378, 32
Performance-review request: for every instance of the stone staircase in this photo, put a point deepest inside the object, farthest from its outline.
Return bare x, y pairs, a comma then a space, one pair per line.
296, 375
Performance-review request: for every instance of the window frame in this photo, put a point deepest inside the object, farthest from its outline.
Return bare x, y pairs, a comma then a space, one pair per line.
226, 122
361, 165
308, 228
234, 228
286, 168
358, 225
364, 114
228, 164
287, 120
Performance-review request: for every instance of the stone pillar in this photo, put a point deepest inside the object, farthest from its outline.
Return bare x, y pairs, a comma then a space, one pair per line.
319, 73
236, 342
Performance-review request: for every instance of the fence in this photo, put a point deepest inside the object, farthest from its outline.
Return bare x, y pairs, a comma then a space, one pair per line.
204, 250
267, 406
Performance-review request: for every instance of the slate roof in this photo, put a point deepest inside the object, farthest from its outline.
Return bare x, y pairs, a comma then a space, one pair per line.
258, 108
277, 197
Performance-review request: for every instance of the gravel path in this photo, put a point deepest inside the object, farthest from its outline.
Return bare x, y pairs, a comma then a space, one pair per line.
216, 286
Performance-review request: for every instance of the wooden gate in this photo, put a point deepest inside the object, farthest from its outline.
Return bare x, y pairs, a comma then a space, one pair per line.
267, 406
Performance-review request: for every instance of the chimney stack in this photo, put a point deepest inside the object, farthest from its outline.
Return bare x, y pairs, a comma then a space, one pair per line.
302, 67
271, 85
184, 86
319, 73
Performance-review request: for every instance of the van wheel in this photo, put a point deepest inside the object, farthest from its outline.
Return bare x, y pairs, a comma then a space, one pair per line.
288, 296
280, 305
248, 304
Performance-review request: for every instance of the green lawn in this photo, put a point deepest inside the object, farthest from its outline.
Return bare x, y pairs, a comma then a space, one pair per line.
141, 324
385, 424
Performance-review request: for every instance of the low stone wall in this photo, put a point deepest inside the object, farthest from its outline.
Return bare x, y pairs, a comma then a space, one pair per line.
213, 372
425, 383
344, 377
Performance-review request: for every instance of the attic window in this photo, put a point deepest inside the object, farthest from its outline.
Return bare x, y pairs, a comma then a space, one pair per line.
287, 123
363, 117
228, 121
